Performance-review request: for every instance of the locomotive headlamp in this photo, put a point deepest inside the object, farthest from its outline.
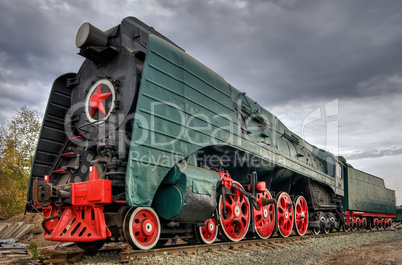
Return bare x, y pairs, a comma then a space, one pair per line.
88, 35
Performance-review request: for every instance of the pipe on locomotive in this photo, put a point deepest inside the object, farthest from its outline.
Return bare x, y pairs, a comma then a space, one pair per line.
89, 35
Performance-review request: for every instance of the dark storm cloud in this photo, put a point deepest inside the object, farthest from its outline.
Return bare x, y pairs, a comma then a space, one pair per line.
276, 51
36, 46
282, 50
32, 35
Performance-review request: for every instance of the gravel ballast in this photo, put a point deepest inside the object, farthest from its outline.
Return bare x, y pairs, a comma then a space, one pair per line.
311, 251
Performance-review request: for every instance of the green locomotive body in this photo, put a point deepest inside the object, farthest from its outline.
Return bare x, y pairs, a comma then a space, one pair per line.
189, 110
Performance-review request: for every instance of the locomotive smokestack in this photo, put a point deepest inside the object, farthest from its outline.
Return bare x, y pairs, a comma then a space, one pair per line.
89, 35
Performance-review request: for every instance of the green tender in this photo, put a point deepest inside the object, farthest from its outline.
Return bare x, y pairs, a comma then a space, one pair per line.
182, 107
399, 214
365, 192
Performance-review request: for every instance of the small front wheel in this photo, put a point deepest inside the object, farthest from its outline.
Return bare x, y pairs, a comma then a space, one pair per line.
142, 227
207, 234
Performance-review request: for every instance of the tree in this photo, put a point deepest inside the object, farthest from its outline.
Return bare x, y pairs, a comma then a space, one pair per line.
18, 140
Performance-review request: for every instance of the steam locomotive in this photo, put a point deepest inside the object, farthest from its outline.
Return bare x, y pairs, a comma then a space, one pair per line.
145, 144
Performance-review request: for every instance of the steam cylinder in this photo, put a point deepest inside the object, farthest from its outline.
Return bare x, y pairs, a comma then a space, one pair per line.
187, 194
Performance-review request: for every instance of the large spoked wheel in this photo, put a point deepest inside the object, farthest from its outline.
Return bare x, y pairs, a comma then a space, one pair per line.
142, 228
207, 234
301, 216
235, 224
284, 212
264, 218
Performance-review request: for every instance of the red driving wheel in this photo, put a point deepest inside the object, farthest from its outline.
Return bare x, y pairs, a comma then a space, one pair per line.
301, 216
235, 224
284, 210
142, 227
207, 234
264, 218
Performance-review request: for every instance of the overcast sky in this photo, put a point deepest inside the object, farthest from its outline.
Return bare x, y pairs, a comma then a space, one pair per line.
317, 65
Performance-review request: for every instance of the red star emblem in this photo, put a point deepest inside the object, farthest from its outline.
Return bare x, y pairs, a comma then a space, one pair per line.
96, 101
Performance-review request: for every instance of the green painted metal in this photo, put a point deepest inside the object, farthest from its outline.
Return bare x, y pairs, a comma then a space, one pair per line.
365, 192
201, 181
398, 214
183, 106
170, 197
169, 201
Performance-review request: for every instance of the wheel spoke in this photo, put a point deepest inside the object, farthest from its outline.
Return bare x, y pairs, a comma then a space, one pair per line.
238, 197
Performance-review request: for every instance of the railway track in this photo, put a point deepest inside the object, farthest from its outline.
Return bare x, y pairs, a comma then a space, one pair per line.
226, 247
127, 254
271, 243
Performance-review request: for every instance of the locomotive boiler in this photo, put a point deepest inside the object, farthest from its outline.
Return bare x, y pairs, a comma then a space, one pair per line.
145, 144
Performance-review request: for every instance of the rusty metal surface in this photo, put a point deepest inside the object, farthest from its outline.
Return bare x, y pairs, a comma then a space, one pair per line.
58, 256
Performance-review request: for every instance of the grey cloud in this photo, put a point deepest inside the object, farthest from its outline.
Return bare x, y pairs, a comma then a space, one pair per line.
382, 84
38, 33
278, 52
37, 45
374, 153
364, 124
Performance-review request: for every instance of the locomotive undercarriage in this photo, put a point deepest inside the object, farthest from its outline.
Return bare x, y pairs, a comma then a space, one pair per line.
255, 206
324, 207
326, 212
